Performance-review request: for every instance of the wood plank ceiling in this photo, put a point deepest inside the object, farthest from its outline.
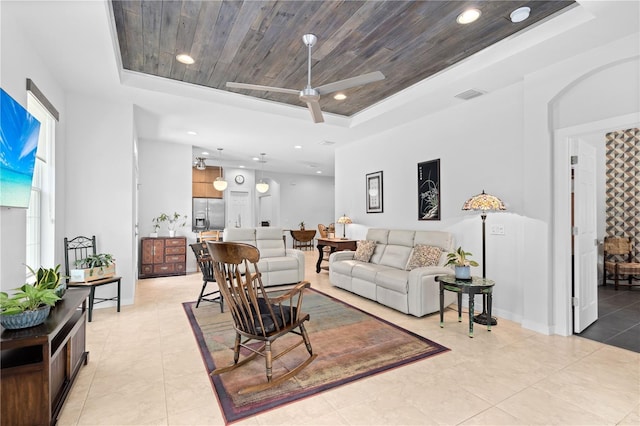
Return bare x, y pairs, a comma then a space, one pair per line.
260, 42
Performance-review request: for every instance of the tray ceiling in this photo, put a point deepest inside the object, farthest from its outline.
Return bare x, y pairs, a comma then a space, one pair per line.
260, 42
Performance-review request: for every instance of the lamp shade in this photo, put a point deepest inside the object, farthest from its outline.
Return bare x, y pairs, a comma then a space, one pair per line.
344, 219
220, 184
484, 202
262, 187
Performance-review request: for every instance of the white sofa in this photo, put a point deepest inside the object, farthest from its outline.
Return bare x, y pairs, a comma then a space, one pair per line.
385, 277
278, 264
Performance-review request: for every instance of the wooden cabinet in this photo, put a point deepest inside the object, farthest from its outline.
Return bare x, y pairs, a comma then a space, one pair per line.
162, 257
39, 364
202, 183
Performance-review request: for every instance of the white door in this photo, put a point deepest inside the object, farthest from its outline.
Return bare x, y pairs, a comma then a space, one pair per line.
239, 210
585, 279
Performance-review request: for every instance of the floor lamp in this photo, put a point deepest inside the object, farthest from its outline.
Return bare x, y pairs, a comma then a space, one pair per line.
484, 203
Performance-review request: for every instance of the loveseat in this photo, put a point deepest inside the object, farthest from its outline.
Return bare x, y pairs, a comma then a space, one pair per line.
278, 264
394, 274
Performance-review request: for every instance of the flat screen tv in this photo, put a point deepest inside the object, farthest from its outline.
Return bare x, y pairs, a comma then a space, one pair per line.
19, 133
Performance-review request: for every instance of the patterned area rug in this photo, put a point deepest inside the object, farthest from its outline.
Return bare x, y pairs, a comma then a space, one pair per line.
350, 343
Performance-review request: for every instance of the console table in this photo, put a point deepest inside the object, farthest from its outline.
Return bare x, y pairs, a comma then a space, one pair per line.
471, 287
336, 244
39, 364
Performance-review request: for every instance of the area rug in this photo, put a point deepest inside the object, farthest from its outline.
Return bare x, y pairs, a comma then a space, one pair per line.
351, 344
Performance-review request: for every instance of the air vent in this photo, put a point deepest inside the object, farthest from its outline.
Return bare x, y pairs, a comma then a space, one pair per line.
470, 94
327, 143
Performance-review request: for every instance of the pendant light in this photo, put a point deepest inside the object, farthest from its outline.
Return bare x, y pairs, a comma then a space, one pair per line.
220, 184
262, 186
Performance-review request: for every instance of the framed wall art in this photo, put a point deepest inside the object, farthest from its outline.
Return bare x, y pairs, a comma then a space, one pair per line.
374, 192
429, 190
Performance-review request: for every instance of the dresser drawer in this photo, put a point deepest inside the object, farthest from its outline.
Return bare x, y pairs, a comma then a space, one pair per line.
175, 250
176, 242
163, 269
173, 258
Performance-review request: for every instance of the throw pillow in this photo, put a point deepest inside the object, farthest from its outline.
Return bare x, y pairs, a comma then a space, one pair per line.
365, 250
423, 255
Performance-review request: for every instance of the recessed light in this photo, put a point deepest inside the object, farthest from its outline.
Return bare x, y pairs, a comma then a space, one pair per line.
185, 59
298, 147
319, 172
242, 167
340, 97
205, 153
520, 14
255, 159
468, 16
192, 133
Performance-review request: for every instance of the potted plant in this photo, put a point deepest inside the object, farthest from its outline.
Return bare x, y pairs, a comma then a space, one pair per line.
462, 263
49, 278
28, 307
174, 220
86, 268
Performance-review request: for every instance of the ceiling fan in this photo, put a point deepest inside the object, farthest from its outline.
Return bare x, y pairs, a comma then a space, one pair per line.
311, 95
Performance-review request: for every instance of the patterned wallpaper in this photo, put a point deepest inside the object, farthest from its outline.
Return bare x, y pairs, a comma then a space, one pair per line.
623, 186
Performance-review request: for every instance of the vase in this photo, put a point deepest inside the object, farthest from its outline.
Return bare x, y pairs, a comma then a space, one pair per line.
172, 233
463, 272
25, 319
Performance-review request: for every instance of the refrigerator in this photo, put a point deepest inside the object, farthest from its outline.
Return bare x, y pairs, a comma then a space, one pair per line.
208, 213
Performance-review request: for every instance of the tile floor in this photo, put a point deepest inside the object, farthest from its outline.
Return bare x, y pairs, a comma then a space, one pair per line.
618, 321
145, 369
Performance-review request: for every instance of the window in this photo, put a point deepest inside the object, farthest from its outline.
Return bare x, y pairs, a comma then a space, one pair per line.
40, 214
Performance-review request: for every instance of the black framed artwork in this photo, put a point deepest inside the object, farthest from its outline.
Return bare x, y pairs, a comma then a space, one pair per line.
374, 192
429, 190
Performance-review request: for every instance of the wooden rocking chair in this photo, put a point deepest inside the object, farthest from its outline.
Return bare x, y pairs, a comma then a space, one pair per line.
256, 315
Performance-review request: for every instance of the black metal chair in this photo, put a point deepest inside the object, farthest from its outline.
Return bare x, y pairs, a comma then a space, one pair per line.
79, 248
201, 252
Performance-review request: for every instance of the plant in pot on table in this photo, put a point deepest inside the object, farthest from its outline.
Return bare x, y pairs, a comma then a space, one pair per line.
27, 307
49, 278
93, 267
174, 220
462, 263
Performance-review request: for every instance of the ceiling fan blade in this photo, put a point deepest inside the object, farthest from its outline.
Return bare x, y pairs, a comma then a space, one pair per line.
234, 85
351, 82
316, 112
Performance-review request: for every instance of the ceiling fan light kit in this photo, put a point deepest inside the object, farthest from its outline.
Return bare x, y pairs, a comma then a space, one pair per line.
311, 95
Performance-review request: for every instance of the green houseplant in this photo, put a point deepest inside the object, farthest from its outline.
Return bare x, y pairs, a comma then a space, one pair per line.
104, 262
27, 307
49, 278
461, 261
174, 220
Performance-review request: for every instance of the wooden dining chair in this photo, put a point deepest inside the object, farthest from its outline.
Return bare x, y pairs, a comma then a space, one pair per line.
205, 264
209, 235
257, 315
619, 262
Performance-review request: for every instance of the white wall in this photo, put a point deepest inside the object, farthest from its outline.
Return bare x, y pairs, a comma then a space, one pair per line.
100, 182
20, 61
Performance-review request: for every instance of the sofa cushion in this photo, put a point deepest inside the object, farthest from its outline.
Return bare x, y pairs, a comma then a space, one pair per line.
367, 271
365, 250
240, 235
281, 263
423, 255
395, 256
393, 279
344, 267
270, 243
440, 239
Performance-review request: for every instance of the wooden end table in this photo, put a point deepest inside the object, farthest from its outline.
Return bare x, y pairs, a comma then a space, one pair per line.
336, 244
476, 285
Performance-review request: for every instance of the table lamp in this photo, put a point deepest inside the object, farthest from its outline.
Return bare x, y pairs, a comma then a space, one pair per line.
344, 220
484, 202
